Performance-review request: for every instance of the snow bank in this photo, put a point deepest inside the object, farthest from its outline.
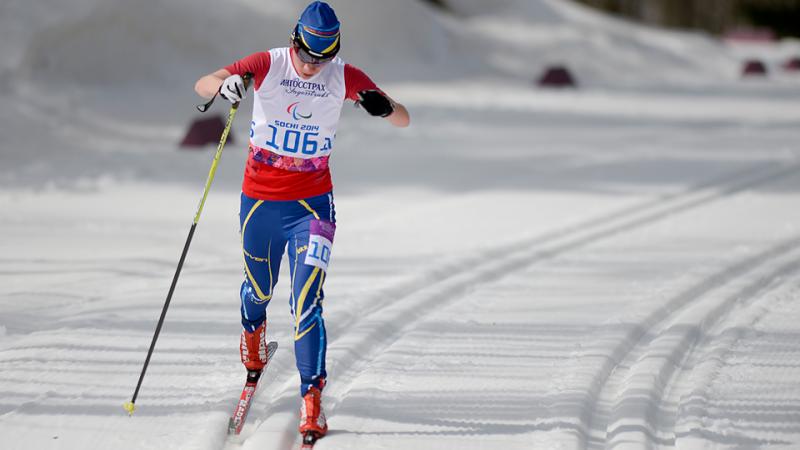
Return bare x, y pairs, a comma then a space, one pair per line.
88, 42
156, 40
527, 36
119, 42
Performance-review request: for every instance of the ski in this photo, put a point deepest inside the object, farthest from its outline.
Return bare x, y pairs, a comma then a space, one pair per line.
236, 422
309, 439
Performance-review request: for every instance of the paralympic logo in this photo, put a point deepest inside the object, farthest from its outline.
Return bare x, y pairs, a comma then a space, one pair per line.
292, 109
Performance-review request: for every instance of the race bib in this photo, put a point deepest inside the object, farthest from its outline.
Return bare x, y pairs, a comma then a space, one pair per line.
320, 243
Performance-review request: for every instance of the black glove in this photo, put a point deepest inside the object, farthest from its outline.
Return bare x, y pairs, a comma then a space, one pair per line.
375, 103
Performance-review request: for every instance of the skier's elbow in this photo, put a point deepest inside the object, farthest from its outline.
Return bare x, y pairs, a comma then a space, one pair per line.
208, 85
198, 87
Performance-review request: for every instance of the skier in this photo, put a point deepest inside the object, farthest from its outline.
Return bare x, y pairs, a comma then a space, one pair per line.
287, 197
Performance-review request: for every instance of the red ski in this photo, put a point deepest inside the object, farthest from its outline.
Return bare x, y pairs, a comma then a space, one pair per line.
236, 422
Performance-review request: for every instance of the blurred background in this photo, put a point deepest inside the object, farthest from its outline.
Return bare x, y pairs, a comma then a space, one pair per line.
775, 18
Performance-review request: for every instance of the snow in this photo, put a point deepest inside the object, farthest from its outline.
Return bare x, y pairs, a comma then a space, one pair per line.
609, 267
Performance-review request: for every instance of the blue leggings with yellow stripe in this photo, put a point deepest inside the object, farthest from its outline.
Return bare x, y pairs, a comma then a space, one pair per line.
306, 227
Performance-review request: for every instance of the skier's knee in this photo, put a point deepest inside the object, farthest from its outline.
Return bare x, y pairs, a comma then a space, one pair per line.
250, 295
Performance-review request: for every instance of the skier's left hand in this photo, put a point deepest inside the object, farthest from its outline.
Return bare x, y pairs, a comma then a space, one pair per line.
375, 103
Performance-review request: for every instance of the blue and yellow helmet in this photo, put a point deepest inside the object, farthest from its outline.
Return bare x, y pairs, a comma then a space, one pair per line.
317, 31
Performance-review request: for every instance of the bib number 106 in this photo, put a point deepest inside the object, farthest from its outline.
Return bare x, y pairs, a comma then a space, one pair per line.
294, 141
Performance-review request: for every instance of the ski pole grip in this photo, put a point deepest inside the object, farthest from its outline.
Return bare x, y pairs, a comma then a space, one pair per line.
246, 79
205, 106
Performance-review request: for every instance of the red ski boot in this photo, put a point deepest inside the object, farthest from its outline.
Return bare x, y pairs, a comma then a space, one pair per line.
312, 420
254, 348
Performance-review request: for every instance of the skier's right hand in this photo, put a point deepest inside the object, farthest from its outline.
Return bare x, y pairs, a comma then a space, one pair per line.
233, 89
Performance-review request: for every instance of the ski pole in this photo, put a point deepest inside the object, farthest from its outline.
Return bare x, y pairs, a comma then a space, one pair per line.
131, 405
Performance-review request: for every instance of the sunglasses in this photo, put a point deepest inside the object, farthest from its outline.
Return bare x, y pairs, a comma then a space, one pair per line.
308, 58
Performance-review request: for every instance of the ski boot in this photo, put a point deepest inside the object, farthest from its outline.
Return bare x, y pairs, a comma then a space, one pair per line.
253, 348
312, 420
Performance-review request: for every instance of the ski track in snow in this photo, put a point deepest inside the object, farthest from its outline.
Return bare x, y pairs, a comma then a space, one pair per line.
638, 399
409, 304
764, 415
688, 399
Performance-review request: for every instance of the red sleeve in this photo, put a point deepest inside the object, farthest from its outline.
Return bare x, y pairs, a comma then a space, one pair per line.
257, 64
354, 81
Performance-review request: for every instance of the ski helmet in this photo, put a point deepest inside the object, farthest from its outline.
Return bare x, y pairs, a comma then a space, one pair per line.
316, 35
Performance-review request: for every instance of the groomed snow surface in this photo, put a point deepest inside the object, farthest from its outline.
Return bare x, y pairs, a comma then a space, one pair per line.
616, 266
